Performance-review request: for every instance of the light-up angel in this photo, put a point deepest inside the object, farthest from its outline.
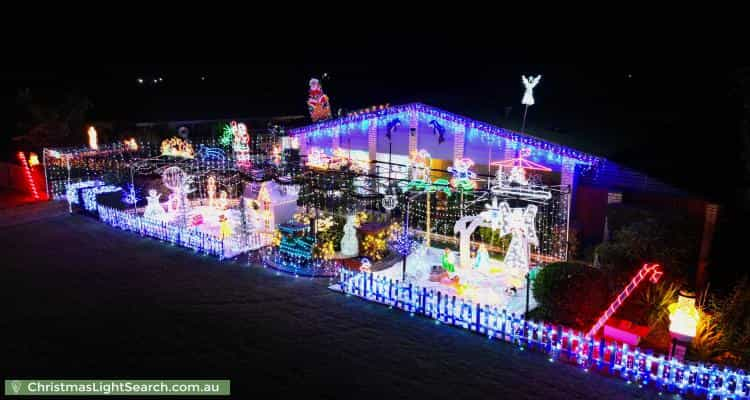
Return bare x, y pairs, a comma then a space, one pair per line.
519, 222
529, 83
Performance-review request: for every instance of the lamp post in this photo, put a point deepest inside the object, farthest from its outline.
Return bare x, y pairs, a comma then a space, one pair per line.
528, 283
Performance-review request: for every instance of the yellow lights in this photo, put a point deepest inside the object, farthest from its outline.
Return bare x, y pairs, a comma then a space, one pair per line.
131, 144
93, 140
684, 316
33, 159
177, 147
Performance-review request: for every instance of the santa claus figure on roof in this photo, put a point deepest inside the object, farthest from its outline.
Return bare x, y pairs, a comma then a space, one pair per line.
317, 102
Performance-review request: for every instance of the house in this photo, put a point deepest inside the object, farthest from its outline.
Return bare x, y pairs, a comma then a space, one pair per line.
387, 136
269, 204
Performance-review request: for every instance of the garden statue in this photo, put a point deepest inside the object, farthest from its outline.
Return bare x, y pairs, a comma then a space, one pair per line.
349, 243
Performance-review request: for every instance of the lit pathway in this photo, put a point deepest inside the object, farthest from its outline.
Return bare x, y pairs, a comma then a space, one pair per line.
81, 299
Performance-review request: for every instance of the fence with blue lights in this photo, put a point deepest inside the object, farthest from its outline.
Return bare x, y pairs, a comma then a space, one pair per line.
636, 366
191, 238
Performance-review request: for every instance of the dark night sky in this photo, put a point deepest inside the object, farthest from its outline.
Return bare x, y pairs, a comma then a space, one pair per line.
651, 117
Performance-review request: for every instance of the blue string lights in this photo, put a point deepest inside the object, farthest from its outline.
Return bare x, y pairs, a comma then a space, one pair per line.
633, 365
182, 236
476, 130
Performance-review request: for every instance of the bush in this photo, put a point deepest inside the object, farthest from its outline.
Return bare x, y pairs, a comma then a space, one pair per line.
571, 294
732, 317
641, 236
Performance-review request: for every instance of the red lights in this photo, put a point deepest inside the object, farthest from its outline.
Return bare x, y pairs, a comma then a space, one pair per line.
646, 270
29, 177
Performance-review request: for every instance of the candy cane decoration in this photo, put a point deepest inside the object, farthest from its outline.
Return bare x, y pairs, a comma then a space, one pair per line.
647, 269
27, 173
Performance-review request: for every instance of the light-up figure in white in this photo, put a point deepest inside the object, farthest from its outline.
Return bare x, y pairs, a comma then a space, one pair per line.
482, 261
154, 210
349, 243
529, 83
211, 187
93, 140
420, 163
518, 222
180, 183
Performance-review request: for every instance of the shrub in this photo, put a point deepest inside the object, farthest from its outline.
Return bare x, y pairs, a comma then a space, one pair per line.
707, 343
653, 301
732, 317
641, 236
571, 294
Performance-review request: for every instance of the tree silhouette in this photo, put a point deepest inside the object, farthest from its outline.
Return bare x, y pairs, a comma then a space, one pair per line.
51, 124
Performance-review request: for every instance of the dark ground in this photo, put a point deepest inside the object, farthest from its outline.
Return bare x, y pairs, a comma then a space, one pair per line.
81, 299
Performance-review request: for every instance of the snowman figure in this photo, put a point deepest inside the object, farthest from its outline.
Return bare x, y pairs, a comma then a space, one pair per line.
349, 243
154, 210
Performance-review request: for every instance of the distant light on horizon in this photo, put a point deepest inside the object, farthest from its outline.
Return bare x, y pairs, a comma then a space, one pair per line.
140, 80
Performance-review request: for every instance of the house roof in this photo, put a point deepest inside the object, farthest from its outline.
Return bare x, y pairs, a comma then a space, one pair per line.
434, 112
